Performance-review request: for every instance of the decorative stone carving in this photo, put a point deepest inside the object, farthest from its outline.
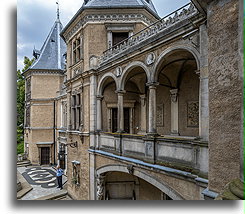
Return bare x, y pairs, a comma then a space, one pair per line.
76, 72
130, 169
93, 62
150, 59
174, 95
118, 71
139, 38
193, 114
100, 187
160, 115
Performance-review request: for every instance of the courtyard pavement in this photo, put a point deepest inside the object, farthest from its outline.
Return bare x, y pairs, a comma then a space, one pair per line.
42, 180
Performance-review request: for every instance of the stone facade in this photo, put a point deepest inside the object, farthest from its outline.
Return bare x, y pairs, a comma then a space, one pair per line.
225, 90
148, 118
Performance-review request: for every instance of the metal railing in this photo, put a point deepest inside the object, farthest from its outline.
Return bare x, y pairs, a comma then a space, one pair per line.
183, 13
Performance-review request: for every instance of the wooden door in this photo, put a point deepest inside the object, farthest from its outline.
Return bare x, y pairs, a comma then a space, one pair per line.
45, 156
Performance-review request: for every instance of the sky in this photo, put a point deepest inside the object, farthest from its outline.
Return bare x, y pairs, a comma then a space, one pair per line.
35, 19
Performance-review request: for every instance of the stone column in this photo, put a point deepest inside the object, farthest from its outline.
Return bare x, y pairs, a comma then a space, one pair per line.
99, 112
174, 112
142, 114
152, 129
120, 118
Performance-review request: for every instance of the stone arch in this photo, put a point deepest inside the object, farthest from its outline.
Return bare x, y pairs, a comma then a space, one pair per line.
102, 81
129, 68
153, 181
190, 49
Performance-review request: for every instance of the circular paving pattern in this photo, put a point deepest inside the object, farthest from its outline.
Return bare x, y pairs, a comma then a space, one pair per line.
39, 176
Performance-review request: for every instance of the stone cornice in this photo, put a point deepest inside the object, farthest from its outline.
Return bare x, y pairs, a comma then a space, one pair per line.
43, 72
96, 18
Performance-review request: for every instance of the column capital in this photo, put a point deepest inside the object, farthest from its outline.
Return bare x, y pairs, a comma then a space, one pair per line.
142, 96
100, 97
197, 72
174, 95
120, 92
152, 84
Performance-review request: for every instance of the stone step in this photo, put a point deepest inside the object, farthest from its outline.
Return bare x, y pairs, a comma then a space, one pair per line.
23, 163
55, 196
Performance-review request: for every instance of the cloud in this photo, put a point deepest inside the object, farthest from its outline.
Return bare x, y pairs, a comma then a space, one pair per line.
35, 19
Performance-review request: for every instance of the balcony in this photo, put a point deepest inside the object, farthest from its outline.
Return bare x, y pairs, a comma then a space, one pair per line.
160, 28
188, 154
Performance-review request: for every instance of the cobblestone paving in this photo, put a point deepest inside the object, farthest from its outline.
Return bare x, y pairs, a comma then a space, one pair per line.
42, 179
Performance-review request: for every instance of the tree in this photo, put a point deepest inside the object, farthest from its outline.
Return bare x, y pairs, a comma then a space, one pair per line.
21, 100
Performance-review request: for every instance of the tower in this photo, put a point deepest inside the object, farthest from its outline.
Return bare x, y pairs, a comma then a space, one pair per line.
43, 80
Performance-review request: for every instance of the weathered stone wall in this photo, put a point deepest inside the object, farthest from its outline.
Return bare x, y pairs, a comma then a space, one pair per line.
225, 89
42, 115
45, 86
80, 154
37, 136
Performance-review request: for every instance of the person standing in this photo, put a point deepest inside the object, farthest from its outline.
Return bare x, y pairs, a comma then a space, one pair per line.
59, 173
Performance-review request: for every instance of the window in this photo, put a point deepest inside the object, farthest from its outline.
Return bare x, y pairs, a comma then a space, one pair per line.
76, 50
118, 37
28, 115
64, 115
76, 111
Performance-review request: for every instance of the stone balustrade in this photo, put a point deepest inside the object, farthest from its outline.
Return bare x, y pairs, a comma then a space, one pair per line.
184, 13
184, 153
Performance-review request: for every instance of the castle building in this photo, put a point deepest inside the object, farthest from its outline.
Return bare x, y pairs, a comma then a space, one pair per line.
134, 106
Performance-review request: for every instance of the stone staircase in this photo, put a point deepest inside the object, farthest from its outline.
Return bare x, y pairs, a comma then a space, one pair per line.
24, 163
62, 195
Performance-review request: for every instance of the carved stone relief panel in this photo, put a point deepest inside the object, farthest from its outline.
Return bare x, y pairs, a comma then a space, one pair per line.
150, 59
160, 115
193, 114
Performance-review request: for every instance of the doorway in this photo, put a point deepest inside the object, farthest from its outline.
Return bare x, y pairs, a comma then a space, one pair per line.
114, 123
45, 155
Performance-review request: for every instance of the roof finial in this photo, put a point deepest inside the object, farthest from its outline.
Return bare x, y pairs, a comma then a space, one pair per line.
58, 10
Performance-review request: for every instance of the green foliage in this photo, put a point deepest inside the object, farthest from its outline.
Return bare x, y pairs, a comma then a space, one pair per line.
21, 100
20, 148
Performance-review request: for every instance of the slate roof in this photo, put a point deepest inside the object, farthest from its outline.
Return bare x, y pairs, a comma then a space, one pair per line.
120, 4
51, 55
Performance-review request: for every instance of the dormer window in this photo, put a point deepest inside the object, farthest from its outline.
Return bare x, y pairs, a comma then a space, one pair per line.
117, 37
116, 33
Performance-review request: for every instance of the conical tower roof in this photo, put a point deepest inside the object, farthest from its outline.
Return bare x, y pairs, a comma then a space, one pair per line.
51, 55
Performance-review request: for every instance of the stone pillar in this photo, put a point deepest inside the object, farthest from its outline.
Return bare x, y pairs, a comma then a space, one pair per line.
142, 114
174, 112
204, 82
152, 129
99, 112
120, 118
